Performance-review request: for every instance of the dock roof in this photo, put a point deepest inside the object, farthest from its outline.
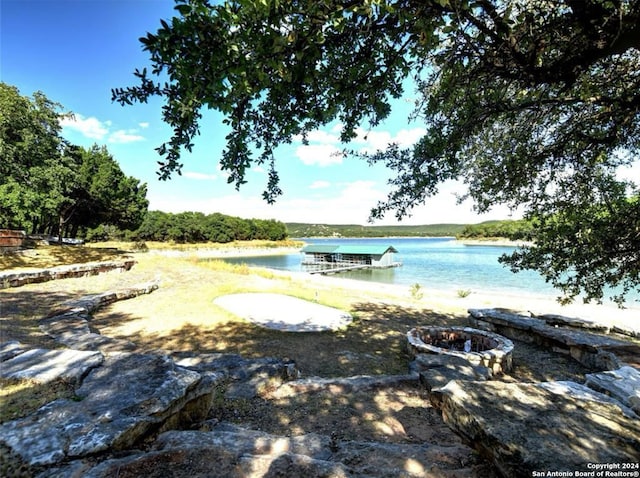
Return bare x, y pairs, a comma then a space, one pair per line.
373, 250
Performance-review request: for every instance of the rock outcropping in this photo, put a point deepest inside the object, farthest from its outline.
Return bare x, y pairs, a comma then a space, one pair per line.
17, 279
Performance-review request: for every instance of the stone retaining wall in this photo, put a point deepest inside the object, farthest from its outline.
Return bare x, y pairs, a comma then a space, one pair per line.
18, 279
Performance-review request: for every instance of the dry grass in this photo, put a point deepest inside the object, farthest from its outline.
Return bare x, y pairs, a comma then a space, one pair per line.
181, 316
50, 256
19, 397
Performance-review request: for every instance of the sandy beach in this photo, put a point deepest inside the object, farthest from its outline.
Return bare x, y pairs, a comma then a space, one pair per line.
436, 299
449, 301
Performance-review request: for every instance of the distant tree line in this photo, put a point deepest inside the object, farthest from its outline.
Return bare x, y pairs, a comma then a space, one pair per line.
49, 186
191, 227
353, 230
510, 229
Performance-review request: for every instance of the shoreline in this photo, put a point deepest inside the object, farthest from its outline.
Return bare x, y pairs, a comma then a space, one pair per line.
449, 302
437, 299
494, 242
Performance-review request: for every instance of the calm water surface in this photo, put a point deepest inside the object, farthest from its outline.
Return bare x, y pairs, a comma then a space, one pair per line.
434, 263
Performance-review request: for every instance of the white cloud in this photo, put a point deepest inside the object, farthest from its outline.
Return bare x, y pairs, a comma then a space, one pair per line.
379, 140
319, 136
319, 154
323, 149
258, 169
373, 140
90, 127
93, 128
143, 125
348, 203
121, 136
409, 137
199, 176
319, 185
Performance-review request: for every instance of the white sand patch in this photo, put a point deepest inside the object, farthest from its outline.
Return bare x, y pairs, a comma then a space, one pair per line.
283, 312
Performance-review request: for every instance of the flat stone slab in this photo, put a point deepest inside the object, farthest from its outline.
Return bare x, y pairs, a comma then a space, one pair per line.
240, 452
622, 384
524, 427
590, 349
248, 377
12, 348
436, 371
119, 403
70, 324
43, 365
18, 279
283, 312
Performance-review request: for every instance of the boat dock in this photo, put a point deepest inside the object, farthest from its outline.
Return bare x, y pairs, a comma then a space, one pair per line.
332, 259
339, 268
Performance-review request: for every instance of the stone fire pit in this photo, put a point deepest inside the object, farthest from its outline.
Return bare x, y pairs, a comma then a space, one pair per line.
478, 347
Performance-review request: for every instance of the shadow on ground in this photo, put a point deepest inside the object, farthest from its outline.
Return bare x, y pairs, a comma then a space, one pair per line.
21, 311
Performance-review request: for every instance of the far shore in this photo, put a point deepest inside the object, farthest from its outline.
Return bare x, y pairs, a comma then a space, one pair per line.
495, 242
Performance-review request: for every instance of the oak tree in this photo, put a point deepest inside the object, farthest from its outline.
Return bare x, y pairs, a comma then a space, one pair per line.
532, 103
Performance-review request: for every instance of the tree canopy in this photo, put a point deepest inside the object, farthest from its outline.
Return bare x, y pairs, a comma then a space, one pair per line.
50, 186
532, 103
197, 227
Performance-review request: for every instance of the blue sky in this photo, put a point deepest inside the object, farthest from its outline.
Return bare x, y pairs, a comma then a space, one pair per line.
75, 51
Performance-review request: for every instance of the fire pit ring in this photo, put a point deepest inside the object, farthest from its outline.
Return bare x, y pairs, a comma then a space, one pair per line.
478, 347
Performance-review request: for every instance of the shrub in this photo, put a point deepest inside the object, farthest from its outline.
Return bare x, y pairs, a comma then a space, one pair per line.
416, 291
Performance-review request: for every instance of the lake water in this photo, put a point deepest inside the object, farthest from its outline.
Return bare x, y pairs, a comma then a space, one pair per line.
434, 263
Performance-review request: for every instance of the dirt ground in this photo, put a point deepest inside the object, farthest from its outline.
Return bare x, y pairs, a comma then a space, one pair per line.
180, 316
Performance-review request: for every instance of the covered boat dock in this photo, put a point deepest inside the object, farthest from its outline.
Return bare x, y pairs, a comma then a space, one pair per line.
328, 259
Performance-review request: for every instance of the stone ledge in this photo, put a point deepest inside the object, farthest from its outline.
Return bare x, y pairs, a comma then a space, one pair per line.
70, 324
122, 401
594, 351
241, 452
18, 279
436, 371
622, 384
524, 427
42, 365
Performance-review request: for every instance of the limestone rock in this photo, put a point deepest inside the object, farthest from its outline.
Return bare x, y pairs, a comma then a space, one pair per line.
592, 350
583, 392
42, 365
523, 428
11, 349
70, 326
437, 370
556, 319
126, 399
17, 279
240, 452
248, 377
91, 303
623, 384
